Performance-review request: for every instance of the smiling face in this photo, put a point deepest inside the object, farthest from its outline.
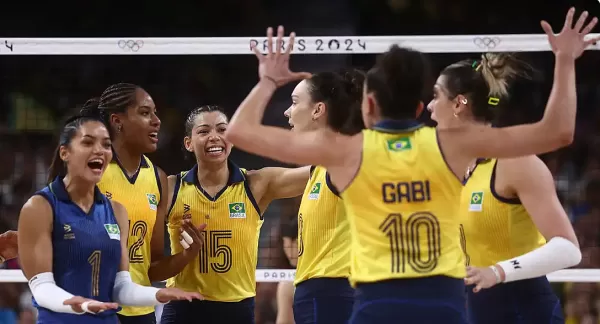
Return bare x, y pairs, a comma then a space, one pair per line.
206, 140
88, 152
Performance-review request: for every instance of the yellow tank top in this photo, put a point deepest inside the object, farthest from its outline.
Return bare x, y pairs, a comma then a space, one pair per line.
139, 195
402, 207
323, 231
495, 228
225, 269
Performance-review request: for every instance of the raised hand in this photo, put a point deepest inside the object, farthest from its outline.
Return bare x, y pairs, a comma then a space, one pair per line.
276, 66
9, 245
570, 41
166, 295
80, 304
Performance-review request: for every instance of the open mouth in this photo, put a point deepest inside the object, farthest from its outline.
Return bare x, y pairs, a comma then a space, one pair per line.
96, 164
215, 150
153, 137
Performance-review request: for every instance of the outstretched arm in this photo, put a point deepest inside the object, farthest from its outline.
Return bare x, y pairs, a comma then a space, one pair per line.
557, 127
129, 293
246, 131
269, 184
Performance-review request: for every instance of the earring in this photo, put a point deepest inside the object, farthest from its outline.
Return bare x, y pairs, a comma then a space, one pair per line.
119, 128
455, 115
464, 101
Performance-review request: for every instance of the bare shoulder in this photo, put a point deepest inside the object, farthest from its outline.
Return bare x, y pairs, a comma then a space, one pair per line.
36, 206
523, 166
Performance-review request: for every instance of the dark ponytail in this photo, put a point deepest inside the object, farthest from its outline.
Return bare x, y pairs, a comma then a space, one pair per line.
89, 112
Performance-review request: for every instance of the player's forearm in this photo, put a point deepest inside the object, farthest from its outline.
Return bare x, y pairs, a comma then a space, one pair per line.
168, 267
561, 109
247, 120
128, 293
559, 253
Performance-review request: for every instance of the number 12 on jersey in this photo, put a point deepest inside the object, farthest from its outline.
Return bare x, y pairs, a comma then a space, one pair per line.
214, 247
414, 241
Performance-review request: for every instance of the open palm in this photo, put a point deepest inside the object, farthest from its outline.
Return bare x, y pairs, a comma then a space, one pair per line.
276, 66
570, 41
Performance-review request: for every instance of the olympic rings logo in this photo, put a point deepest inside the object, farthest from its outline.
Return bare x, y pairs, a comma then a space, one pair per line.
130, 45
486, 42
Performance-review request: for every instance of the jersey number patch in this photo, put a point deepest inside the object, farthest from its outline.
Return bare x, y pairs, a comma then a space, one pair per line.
407, 244
139, 229
214, 247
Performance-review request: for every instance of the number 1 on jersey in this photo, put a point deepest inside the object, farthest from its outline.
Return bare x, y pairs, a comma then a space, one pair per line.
407, 244
94, 261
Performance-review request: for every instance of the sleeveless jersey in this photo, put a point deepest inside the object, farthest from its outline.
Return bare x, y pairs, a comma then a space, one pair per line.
494, 228
402, 205
225, 269
139, 195
323, 231
86, 251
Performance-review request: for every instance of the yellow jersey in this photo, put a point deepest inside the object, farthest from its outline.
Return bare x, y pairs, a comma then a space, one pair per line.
323, 231
494, 228
139, 195
225, 268
402, 207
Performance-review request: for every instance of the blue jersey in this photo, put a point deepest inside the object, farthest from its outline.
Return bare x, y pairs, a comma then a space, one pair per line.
86, 251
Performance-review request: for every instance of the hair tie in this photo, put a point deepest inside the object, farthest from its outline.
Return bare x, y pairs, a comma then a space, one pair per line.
493, 101
476, 65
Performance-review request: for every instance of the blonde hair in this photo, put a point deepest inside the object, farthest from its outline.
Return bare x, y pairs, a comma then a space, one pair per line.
498, 69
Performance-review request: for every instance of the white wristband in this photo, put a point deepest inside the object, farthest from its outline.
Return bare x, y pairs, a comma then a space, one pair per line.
557, 254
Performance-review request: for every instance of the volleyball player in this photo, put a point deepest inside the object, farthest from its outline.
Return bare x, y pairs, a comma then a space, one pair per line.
399, 181
71, 245
285, 289
9, 245
219, 193
323, 293
134, 181
506, 203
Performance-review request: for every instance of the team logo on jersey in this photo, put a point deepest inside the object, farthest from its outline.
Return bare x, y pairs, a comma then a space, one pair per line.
476, 202
237, 210
399, 144
113, 231
69, 235
108, 195
152, 201
315, 191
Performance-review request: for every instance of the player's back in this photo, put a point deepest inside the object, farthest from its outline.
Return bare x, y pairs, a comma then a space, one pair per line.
140, 195
402, 206
86, 252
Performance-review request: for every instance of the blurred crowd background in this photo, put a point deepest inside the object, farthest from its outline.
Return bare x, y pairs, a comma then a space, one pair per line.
37, 92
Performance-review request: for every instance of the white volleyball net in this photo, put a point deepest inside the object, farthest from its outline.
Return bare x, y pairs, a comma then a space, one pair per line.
44, 79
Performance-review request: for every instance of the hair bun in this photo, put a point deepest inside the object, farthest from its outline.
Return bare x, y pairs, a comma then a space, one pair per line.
90, 108
354, 81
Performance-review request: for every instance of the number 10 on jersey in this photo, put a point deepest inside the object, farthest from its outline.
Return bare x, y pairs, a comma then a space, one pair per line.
414, 241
